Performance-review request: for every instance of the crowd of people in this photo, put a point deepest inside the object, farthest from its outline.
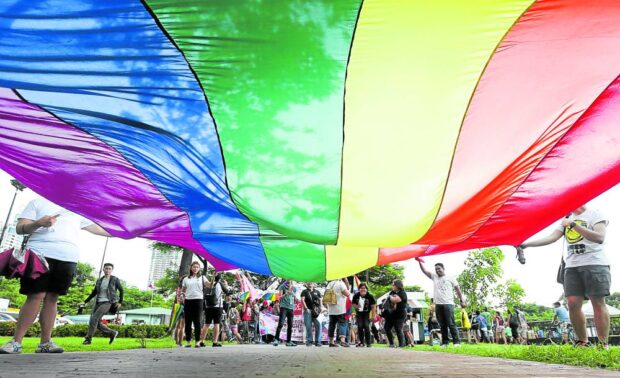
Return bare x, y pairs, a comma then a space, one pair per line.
354, 318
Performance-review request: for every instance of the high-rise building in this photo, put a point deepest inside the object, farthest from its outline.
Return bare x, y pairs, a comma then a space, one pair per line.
11, 239
162, 261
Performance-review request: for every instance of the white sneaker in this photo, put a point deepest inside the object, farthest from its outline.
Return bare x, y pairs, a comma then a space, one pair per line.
49, 347
457, 345
12, 347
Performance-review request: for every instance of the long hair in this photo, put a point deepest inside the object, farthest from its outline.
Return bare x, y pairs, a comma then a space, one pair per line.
399, 284
191, 274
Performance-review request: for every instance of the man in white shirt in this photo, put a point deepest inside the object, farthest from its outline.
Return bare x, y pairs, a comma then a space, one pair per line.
587, 273
54, 235
443, 296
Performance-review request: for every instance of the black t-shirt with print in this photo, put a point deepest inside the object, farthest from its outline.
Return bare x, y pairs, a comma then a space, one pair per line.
311, 297
401, 307
369, 301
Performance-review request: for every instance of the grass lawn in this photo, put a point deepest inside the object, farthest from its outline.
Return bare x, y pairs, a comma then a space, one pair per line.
74, 344
567, 355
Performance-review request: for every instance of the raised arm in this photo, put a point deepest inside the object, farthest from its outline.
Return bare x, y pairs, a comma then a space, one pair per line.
552, 238
423, 268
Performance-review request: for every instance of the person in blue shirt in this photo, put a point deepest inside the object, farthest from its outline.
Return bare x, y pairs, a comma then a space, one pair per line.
561, 316
484, 330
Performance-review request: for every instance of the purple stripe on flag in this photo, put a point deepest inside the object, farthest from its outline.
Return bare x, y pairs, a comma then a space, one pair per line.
81, 173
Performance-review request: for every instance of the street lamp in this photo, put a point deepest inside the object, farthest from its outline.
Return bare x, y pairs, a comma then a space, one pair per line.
18, 188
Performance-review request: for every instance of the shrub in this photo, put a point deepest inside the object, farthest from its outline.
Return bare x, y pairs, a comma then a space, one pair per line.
8, 329
80, 330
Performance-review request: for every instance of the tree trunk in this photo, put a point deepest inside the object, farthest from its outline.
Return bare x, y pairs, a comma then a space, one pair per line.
186, 259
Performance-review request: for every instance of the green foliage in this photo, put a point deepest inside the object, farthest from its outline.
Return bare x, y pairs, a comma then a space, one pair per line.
556, 354
415, 288
483, 269
613, 300
167, 285
534, 312
510, 294
8, 329
136, 298
380, 277
9, 289
74, 344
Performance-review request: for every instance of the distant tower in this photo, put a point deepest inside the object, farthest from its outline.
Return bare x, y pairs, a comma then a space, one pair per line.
162, 261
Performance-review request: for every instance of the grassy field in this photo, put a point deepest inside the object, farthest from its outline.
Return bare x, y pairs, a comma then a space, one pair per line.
567, 355
74, 344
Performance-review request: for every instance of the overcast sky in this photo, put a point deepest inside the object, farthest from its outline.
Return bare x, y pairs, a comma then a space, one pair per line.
131, 258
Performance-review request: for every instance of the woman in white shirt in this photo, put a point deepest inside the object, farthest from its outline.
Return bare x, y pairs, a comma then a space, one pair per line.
192, 294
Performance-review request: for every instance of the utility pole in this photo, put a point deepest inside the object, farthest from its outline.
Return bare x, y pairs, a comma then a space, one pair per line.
18, 188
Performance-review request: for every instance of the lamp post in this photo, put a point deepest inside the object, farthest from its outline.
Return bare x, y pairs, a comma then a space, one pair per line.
105, 248
18, 188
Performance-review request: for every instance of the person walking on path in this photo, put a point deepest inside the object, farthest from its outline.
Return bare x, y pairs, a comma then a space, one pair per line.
313, 306
587, 273
54, 234
443, 294
287, 305
106, 299
337, 292
214, 306
395, 308
366, 307
499, 326
192, 295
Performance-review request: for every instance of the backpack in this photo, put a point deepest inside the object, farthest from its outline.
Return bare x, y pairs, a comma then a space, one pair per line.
388, 308
210, 297
315, 311
330, 296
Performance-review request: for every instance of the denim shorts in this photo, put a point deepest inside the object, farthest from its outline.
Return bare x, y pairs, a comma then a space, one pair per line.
587, 281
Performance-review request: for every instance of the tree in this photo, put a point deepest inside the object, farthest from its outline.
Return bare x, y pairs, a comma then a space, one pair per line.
536, 312
510, 294
167, 285
380, 277
9, 289
483, 270
614, 300
82, 285
415, 288
136, 298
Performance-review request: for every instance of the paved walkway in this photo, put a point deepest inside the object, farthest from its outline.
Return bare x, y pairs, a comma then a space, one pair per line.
267, 361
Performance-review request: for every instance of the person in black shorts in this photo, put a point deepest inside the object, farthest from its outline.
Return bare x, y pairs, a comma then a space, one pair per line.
53, 234
587, 273
214, 307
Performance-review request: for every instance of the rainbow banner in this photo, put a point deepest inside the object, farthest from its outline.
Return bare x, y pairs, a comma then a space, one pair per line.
313, 140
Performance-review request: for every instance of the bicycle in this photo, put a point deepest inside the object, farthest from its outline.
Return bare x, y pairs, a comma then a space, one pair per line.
555, 335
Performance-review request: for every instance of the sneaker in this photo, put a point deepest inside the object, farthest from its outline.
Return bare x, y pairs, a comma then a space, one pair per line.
188, 346
12, 347
583, 344
86, 342
444, 345
457, 345
344, 344
318, 344
49, 347
291, 344
113, 337
202, 344
368, 345
359, 345
333, 345
275, 343
216, 345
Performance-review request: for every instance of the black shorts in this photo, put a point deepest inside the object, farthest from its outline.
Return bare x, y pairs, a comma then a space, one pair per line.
213, 315
57, 280
587, 281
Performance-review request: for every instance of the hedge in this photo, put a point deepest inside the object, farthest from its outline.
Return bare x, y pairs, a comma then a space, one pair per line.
80, 330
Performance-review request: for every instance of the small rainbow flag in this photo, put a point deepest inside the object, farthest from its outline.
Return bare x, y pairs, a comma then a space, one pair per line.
271, 296
244, 296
